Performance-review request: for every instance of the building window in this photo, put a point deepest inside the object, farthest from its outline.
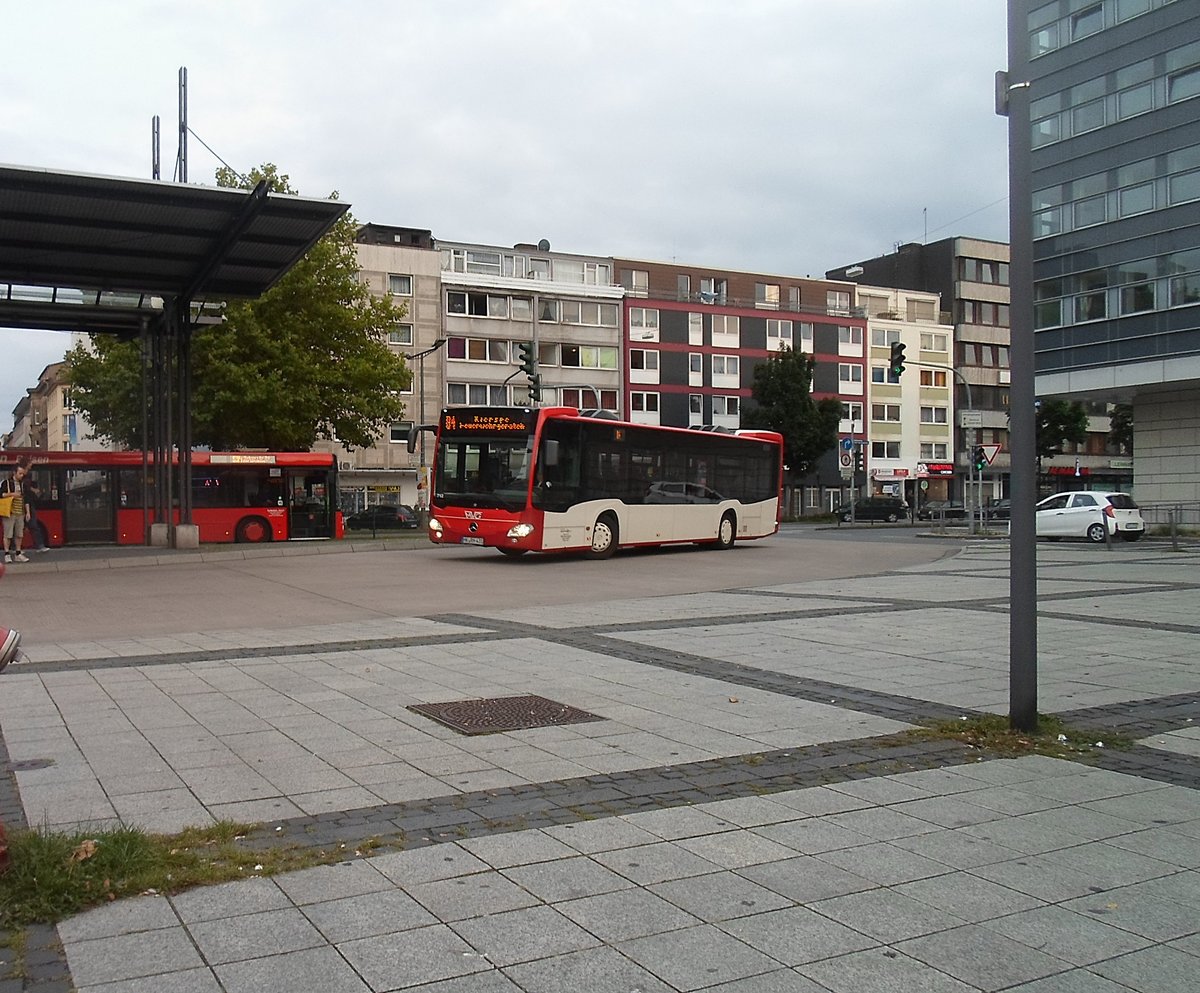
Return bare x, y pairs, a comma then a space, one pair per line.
476, 349
696, 404
640, 358
933, 451
398, 432
883, 374
849, 334
852, 411
725, 365
477, 394
837, 302
885, 449
683, 286
644, 402
1185, 290
588, 356
695, 362
885, 412
399, 285
933, 377
933, 342
884, 337
1092, 210
400, 334
933, 415
848, 373
779, 334
1137, 299
1183, 85
712, 290
766, 295
1087, 21
806, 335
586, 399
636, 281
726, 406
643, 324
695, 329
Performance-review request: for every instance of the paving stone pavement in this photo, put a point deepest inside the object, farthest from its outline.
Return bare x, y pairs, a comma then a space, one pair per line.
749, 816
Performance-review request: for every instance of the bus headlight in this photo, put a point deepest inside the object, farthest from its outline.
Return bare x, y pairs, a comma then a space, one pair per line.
435, 525
520, 531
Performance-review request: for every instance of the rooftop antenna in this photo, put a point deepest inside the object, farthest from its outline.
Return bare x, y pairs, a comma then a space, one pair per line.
181, 161
155, 160
925, 215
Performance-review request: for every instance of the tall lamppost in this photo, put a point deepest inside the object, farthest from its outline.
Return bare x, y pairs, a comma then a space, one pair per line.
423, 471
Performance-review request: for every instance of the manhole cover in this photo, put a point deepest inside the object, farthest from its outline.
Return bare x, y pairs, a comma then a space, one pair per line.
505, 713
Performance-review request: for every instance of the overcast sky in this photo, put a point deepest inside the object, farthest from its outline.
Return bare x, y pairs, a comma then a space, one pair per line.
779, 136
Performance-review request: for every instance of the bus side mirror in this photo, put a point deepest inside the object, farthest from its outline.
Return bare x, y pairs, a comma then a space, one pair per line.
550, 452
413, 431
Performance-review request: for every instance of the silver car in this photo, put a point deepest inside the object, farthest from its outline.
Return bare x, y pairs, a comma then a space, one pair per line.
1089, 514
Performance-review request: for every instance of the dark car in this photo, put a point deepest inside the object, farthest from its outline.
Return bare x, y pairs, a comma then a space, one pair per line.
941, 510
890, 509
384, 517
1000, 510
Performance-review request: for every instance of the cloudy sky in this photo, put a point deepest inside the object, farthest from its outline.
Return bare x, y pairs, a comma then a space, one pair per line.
780, 136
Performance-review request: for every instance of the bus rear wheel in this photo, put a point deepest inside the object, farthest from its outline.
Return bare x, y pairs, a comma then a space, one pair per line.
253, 530
604, 537
726, 532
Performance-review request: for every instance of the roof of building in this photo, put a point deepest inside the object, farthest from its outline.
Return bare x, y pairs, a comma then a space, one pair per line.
99, 253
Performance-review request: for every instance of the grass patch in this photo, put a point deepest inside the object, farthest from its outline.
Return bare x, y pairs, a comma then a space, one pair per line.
991, 733
56, 874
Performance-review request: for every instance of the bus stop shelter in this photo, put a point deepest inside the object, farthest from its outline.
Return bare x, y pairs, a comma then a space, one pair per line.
141, 259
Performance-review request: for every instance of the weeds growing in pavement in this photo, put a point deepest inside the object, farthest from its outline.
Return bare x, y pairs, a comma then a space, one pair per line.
54, 874
991, 733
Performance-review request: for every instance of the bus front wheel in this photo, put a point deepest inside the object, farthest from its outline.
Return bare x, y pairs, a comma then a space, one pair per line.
604, 537
513, 553
726, 531
253, 530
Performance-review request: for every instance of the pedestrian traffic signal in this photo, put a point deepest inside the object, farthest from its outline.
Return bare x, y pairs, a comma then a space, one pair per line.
528, 361
978, 458
896, 364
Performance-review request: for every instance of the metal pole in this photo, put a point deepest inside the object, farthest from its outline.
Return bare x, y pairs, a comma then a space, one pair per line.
1022, 638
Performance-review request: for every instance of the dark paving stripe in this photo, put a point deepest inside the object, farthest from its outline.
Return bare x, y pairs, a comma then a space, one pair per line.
470, 815
1151, 763
1139, 718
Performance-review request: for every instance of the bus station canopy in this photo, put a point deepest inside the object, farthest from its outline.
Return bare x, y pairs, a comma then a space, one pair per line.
100, 253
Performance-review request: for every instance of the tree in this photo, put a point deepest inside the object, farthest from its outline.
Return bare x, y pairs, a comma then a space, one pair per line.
783, 393
1059, 422
306, 360
1120, 427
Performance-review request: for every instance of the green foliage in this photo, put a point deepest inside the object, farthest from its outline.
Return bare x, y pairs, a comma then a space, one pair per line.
1058, 422
783, 393
308, 359
1120, 427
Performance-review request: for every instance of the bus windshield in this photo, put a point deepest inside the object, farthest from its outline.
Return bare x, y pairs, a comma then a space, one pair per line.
479, 472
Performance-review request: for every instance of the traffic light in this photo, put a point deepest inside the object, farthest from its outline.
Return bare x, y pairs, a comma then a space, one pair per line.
978, 459
896, 363
858, 460
528, 361
535, 388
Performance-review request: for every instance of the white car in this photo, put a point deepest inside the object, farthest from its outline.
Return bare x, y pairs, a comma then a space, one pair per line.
1089, 514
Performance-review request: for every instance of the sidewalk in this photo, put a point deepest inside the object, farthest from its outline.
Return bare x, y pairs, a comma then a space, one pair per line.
739, 815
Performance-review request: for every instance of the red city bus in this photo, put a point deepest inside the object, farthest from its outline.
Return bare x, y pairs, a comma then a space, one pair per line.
108, 497
557, 479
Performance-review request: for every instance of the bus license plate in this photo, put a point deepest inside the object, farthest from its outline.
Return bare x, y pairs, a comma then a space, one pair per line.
470, 541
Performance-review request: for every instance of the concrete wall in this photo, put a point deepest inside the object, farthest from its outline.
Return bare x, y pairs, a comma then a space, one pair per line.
1166, 457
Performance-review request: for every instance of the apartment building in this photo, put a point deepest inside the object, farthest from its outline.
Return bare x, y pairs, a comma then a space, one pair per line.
970, 276
694, 335
910, 430
1112, 164
567, 306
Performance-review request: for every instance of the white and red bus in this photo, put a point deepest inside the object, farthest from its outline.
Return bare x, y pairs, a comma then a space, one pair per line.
101, 498
556, 479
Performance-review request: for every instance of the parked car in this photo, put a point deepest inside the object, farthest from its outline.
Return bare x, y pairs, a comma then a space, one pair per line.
1089, 514
999, 510
880, 508
941, 510
384, 517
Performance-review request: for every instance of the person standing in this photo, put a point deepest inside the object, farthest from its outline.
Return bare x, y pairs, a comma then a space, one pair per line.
14, 523
33, 497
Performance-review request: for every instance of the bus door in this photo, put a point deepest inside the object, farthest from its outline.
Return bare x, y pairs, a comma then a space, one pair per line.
310, 509
89, 508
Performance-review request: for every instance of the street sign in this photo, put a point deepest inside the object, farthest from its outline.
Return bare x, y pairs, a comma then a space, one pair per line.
990, 452
970, 418
847, 444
